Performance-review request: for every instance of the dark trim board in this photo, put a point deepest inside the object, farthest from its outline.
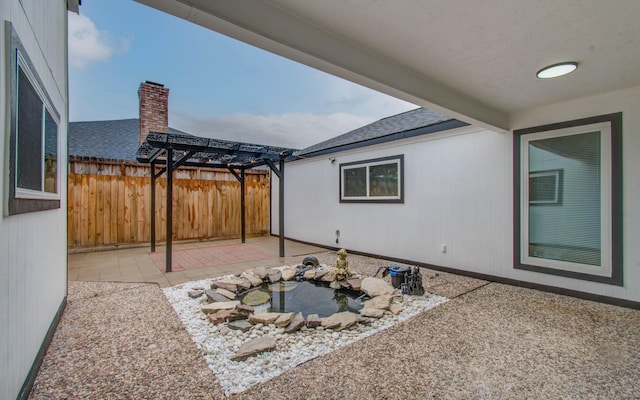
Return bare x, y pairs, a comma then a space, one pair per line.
492, 278
35, 367
616, 277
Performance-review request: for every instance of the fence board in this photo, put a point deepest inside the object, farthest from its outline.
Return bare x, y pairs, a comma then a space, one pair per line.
115, 209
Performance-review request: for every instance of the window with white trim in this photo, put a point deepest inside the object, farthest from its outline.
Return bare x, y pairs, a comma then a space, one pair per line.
34, 168
567, 203
377, 180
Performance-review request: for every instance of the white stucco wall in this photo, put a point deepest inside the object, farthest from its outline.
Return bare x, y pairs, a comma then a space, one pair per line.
458, 193
33, 246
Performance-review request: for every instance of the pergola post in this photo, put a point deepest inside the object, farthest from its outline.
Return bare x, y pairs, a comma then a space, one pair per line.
209, 153
153, 206
169, 208
242, 208
281, 207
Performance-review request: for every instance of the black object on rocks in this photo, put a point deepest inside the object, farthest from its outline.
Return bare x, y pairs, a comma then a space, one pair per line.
412, 283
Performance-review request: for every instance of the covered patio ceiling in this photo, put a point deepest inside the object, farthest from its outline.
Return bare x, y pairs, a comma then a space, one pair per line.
475, 61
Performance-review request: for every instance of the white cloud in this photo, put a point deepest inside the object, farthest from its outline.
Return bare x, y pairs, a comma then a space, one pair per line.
88, 45
342, 94
295, 130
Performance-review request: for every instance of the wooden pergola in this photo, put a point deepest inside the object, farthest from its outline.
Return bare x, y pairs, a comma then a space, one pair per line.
172, 151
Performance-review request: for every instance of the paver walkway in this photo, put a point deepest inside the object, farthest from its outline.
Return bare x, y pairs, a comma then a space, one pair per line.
191, 261
211, 256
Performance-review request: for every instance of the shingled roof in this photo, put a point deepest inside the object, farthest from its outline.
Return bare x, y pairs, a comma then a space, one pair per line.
408, 124
115, 139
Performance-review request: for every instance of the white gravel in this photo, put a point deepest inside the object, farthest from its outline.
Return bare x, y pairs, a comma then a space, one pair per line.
218, 343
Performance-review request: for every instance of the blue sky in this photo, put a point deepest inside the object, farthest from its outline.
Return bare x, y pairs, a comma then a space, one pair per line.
219, 87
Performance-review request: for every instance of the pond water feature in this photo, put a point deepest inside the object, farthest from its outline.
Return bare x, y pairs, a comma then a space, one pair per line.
305, 297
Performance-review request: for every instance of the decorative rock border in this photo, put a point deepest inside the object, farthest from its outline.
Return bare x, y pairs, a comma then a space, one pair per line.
243, 348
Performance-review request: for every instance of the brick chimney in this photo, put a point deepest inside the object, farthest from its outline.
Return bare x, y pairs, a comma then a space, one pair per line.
154, 109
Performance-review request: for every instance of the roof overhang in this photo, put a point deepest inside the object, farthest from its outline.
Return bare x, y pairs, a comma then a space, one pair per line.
74, 6
475, 61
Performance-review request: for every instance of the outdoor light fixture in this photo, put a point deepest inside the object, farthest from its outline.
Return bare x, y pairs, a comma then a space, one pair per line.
556, 70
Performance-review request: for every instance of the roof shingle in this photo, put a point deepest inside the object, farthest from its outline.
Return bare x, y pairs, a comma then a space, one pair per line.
115, 139
386, 129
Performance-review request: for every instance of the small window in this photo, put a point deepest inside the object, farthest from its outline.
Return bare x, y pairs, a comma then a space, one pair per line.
34, 170
545, 187
379, 180
568, 208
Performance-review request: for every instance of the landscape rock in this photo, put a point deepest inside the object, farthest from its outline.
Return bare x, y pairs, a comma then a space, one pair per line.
335, 285
226, 316
247, 309
224, 285
328, 277
226, 293
310, 274
288, 273
376, 287
260, 272
355, 283
313, 321
255, 346
395, 308
296, 323
264, 318
344, 284
240, 325
252, 278
256, 297
213, 296
242, 283
372, 312
274, 275
219, 305
283, 320
194, 294
381, 302
319, 273
340, 321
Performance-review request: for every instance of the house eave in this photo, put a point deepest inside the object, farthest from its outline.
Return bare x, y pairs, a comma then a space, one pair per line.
439, 127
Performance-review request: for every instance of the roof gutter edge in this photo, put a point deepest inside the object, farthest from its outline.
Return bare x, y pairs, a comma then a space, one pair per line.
438, 127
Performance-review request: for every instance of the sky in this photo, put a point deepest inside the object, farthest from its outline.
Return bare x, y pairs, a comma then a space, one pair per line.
219, 87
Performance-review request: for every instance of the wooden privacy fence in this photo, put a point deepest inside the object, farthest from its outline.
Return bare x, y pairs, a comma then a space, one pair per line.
111, 205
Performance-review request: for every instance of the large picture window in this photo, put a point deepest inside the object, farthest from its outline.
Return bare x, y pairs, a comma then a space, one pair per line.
379, 180
568, 205
34, 170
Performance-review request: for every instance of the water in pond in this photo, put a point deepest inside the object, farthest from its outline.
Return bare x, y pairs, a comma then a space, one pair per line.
305, 297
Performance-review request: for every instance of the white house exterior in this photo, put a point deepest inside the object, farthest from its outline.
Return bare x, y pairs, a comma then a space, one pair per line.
464, 189
458, 208
33, 226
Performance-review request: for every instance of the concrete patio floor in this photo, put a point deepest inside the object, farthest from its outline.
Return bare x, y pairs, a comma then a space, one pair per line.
489, 341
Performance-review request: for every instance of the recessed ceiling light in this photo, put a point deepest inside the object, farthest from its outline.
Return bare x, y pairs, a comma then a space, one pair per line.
556, 70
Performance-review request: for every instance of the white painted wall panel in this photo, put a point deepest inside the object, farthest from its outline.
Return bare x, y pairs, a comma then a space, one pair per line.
458, 192
33, 261
448, 200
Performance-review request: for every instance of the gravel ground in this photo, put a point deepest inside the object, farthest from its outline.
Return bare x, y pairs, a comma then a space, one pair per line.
495, 342
490, 341
122, 341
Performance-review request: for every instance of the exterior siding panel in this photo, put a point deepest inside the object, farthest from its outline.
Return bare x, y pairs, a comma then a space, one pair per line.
33, 261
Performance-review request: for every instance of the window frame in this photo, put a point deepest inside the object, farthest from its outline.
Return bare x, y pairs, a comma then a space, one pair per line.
398, 159
610, 128
21, 200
